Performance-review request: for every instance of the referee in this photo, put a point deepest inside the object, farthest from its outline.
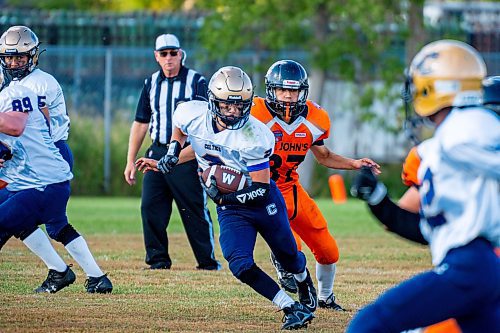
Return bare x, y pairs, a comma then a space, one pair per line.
162, 92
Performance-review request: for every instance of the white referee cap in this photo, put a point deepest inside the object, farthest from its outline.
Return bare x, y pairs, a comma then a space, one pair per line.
167, 41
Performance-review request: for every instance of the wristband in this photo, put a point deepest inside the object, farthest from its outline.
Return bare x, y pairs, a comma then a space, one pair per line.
174, 148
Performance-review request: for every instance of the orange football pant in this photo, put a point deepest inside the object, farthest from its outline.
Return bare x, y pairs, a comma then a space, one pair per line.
308, 224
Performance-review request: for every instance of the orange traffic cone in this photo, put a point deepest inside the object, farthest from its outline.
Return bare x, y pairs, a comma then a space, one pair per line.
337, 189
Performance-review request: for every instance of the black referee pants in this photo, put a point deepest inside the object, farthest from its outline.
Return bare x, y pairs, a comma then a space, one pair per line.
158, 193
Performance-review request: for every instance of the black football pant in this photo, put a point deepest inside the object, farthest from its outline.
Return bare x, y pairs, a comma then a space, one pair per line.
158, 193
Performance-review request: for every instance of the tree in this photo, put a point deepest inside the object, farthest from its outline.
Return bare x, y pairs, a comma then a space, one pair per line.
99, 5
356, 41
347, 40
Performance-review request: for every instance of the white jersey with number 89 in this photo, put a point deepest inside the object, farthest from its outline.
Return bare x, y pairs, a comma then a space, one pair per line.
36, 162
49, 94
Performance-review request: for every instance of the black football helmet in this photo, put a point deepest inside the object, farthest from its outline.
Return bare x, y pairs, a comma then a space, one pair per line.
287, 74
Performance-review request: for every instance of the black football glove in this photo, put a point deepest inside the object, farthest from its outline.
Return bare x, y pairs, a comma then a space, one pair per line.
364, 184
212, 190
5, 152
167, 163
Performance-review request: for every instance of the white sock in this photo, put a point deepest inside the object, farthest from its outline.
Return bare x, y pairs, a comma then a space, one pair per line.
39, 244
282, 300
301, 276
79, 250
325, 274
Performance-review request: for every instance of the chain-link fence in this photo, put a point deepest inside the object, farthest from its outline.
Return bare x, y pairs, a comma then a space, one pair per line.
78, 43
101, 61
81, 71
63, 27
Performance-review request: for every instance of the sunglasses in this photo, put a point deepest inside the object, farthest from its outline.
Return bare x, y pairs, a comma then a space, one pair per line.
173, 53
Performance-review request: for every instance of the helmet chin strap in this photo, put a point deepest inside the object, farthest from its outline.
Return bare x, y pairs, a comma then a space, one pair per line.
288, 112
218, 122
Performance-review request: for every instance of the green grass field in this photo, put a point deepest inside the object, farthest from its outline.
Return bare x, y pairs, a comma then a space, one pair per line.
183, 299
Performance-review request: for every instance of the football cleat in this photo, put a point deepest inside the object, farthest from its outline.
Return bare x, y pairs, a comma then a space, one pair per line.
216, 267
160, 265
100, 285
307, 293
285, 279
296, 316
56, 281
330, 303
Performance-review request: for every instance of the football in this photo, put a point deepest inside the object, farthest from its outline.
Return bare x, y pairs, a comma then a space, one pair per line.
228, 179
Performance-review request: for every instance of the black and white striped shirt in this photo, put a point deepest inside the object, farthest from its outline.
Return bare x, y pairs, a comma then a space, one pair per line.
161, 95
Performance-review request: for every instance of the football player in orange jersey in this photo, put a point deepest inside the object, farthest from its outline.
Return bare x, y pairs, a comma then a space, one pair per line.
300, 125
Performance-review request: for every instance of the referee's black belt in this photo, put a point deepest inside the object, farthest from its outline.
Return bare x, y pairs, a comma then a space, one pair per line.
158, 144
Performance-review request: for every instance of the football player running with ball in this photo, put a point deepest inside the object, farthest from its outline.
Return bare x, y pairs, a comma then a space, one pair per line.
300, 125
221, 131
459, 194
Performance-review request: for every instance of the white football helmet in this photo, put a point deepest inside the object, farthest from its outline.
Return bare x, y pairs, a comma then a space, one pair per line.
445, 73
230, 85
19, 40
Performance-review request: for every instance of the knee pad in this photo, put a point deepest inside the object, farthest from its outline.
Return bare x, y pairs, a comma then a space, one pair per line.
327, 258
22, 235
293, 264
324, 247
249, 276
64, 235
239, 266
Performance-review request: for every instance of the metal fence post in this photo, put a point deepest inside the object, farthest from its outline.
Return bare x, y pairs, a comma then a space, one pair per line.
77, 79
107, 119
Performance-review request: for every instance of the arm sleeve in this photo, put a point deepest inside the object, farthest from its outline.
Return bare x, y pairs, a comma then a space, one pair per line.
252, 195
398, 220
143, 111
319, 143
